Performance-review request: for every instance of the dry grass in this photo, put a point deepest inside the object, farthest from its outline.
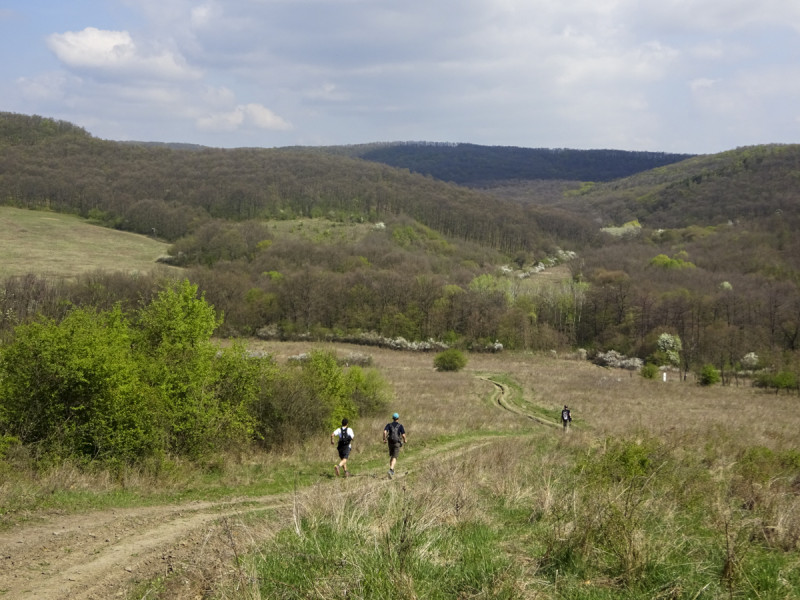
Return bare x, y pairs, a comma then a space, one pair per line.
693, 523
59, 245
694, 520
604, 402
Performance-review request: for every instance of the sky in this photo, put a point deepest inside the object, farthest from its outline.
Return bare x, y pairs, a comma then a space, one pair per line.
694, 76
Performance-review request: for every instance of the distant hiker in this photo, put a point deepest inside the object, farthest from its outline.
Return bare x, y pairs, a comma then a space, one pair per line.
566, 417
394, 434
345, 435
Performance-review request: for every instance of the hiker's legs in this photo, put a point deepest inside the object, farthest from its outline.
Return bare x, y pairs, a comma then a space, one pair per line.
394, 451
344, 453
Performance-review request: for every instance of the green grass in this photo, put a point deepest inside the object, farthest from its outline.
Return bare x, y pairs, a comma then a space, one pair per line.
58, 245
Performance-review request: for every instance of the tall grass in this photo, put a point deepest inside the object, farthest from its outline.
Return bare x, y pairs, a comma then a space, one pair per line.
661, 490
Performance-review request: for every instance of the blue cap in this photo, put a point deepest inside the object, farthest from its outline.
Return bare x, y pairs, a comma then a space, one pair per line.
395, 416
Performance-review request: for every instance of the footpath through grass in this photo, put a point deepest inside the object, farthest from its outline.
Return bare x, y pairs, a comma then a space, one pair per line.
544, 514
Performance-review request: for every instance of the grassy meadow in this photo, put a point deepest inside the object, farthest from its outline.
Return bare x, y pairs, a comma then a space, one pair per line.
56, 245
659, 490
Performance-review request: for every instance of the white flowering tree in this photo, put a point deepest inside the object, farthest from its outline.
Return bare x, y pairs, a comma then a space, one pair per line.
670, 347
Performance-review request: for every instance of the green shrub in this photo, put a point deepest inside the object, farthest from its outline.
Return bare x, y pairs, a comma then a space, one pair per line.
649, 371
368, 390
74, 388
782, 380
709, 375
450, 360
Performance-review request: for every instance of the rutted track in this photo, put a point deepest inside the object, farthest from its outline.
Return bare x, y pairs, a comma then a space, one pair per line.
500, 396
102, 554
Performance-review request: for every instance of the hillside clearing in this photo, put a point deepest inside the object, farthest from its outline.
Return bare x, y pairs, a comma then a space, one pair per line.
55, 245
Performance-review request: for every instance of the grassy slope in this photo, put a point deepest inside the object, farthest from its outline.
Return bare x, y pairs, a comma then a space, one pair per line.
654, 493
57, 245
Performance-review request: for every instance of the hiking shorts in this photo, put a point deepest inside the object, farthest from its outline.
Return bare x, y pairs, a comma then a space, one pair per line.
344, 451
394, 450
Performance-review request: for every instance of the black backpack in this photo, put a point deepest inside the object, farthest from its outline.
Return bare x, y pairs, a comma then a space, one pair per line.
344, 437
394, 436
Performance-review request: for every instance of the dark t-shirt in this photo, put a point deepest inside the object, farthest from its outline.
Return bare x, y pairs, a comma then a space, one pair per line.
400, 430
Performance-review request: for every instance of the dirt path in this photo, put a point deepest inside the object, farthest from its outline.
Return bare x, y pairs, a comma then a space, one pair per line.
192, 546
501, 395
104, 554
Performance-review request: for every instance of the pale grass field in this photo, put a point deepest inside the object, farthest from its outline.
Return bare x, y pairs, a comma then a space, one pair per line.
604, 402
528, 470
57, 245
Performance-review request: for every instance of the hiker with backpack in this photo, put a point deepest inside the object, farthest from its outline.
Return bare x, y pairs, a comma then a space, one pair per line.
394, 434
566, 417
345, 435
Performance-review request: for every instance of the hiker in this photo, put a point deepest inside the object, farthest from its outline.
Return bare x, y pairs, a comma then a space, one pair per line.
566, 417
345, 435
394, 434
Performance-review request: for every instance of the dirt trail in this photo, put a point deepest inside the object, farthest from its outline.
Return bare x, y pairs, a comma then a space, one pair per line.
501, 395
105, 554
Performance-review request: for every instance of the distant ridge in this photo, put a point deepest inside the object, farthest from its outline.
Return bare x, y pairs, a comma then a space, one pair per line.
473, 164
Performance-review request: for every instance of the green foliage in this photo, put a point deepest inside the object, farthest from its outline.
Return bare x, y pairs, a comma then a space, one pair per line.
450, 360
7, 442
327, 383
649, 371
662, 261
98, 387
74, 388
368, 390
313, 396
623, 460
174, 333
709, 375
780, 380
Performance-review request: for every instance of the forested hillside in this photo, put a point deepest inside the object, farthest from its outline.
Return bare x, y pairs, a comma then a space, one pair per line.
297, 243
752, 183
168, 192
472, 165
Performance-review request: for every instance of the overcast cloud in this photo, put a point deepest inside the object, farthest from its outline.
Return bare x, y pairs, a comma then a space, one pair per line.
674, 75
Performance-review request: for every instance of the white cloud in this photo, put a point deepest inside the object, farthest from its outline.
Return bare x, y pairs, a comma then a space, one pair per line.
114, 53
583, 73
247, 115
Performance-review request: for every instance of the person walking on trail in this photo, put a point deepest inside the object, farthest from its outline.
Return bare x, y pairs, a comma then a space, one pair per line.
344, 445
566, 417
394, 434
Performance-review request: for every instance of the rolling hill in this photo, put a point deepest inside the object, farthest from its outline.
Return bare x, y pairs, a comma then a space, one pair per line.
709, 250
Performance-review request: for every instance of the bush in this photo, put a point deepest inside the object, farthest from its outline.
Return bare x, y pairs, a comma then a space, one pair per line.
649, 371
368, 390
782, 380
450, 360
709, 375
